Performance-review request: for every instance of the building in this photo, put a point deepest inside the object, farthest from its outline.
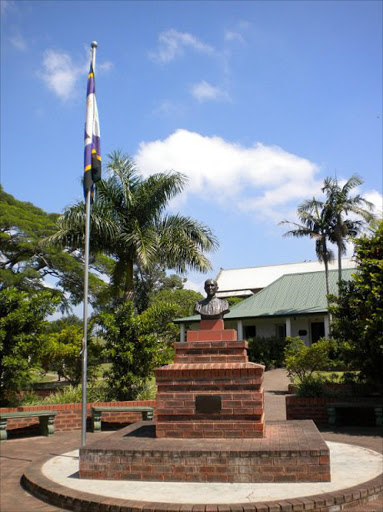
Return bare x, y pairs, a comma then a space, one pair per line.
244, 282
293, 305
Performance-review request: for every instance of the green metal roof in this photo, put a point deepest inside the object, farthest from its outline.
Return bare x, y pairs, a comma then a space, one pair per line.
290, 295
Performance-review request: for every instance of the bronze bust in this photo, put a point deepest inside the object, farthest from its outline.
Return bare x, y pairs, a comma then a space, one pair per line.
211, 308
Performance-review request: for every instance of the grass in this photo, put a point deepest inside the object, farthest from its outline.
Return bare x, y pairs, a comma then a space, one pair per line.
37, 377
334, 377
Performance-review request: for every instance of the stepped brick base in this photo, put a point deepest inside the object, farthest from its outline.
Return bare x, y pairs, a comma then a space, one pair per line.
292, 451
211, 390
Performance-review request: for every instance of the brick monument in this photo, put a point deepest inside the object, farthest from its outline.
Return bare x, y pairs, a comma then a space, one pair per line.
211, 390
209, 421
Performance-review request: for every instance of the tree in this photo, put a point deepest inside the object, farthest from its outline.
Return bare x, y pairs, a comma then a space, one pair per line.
314, 224
61, 352
132, 348
303, 361
148, 282
338, 205
22, 335
63, 322
26, 259
184, 300
129, 224
358, 311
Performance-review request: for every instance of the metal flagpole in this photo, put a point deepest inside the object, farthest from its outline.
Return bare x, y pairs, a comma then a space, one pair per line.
85, 310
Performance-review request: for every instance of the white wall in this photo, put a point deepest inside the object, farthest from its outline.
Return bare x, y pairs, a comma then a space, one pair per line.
267, 328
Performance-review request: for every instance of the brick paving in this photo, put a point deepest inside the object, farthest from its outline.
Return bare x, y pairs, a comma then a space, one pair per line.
16, 454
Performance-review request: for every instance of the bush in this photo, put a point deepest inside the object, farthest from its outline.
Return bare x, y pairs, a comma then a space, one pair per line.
267, 351
302, 361
133, 350
311, 387
357, 312
62, 353
148, 390
22, 328
69, 395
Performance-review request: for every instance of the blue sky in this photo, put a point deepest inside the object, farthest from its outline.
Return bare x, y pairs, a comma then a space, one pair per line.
255, 101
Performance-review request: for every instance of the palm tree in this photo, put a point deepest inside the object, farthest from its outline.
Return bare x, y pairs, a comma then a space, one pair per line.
338, 205
130, 225
312, 216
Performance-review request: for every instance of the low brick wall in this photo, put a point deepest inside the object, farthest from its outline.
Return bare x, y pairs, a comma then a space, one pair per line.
69, 415
299, 408
291, 452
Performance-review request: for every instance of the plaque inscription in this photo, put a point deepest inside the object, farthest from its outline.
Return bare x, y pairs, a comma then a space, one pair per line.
208, 404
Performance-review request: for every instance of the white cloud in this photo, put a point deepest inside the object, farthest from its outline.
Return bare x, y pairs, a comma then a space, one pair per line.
60, 74
7, 6
376, 198
259, 179
203, 91
18, 41
105, 66
231, 35
171, 44
169, 108
197, 286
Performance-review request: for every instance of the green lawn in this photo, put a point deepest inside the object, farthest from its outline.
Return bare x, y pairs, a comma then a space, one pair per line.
335, 377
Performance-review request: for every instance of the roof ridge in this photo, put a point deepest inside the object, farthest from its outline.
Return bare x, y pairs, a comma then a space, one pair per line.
276, 265
311, 272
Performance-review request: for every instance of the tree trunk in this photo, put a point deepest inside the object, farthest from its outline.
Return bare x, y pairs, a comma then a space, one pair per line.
339, 266
325, 261
128, 294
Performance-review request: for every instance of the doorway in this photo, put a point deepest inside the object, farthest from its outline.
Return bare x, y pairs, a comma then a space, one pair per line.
317, 331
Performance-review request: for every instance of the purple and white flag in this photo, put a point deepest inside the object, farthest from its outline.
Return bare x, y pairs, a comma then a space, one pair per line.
92, 151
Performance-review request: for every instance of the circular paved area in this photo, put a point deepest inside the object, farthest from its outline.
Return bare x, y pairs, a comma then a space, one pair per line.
16, 455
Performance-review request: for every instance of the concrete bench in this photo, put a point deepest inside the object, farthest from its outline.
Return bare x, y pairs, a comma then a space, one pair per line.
333, 419
46, 419
146, 411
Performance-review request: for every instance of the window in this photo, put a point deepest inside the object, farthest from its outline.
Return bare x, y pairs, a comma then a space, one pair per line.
250, 331
317, 331
281, 331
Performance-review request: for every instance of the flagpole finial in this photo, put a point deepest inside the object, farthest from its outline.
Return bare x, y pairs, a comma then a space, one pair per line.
94, 44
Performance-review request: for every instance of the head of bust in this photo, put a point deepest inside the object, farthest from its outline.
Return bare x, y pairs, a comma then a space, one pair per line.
211, 288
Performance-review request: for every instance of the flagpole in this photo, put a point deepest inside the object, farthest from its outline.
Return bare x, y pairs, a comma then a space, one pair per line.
85, 309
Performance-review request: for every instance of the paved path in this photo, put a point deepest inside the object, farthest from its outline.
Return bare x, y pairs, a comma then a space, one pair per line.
15, 454
275, 388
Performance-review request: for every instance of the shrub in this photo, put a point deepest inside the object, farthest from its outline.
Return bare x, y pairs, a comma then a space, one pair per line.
132, 348
267, 351
310, 387
21, 336
62, 353
302, 361
148, 390
358, 311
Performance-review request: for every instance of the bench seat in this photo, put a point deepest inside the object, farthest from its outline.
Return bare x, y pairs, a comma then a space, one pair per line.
332, 408
46, 419
146, 411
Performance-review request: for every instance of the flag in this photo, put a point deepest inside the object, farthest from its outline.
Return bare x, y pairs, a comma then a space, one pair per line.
92, 152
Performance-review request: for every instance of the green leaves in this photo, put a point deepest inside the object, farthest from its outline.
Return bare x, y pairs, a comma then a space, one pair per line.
358, 311
129, 224
133, 349
22, 326
302, 360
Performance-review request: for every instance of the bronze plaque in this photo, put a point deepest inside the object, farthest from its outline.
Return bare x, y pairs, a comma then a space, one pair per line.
208, 404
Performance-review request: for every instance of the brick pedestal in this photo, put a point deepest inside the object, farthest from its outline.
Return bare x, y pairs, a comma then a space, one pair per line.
209, 425
211, 390
292, 451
